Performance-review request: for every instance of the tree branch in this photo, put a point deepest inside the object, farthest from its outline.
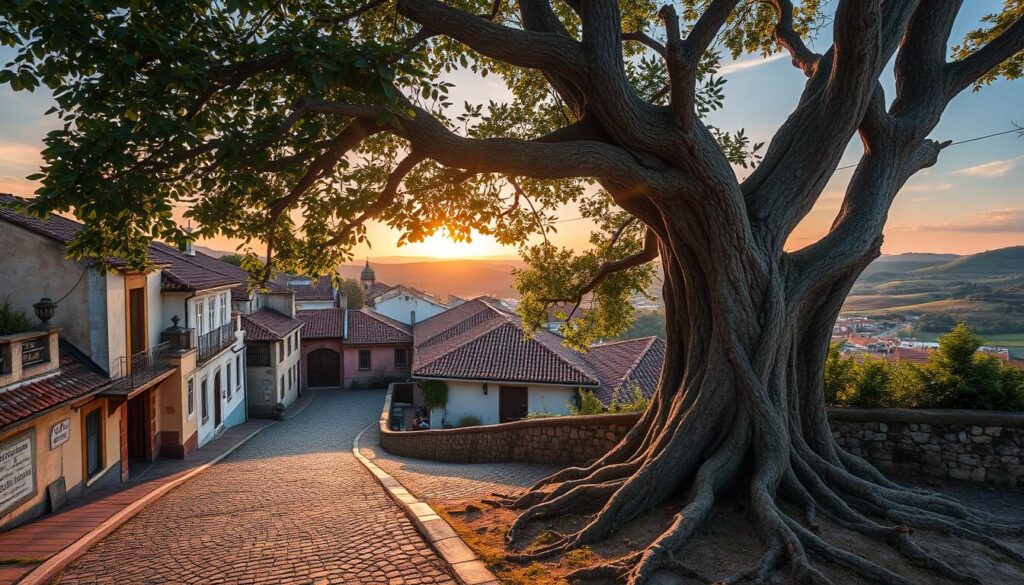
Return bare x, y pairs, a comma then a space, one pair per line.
966, 71
650, 252
786, 36
536, 50
645, 39
386, 198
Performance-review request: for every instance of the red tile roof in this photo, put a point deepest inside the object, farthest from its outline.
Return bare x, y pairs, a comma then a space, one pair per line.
268, 325
323, 290
74, 379
321, 323
366, 327
621, 364
479, 341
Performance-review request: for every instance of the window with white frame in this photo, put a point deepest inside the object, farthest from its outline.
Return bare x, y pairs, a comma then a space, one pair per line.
223, 308
238, 368
211, 313
191, 397
200, 329
229, 385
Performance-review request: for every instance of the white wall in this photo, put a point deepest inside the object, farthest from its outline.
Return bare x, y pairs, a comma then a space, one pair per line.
309, 305
117, 341
401, 306
228, 404
468, 398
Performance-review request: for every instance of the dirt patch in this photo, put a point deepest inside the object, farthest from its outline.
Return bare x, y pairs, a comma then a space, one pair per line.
727, 544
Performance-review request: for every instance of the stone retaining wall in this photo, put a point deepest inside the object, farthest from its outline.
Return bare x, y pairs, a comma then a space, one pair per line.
972, 445
977, 446
564, 439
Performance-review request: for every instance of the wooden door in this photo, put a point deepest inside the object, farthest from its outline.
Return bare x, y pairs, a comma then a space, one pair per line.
513, 403
137, 426
137, 320
216, 400
323, 366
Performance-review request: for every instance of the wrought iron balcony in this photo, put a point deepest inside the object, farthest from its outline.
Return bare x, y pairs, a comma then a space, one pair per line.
134, 371
210, 344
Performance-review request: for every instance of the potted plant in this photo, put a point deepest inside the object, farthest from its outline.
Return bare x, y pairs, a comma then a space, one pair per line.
279, 409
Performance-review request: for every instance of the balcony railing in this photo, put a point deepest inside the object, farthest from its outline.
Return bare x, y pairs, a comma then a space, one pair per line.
211, 343
134, 371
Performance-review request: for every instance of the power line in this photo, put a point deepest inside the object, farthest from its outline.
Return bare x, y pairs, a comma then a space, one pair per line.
964, 141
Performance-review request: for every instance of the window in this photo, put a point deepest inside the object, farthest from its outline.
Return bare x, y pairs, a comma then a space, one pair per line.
191, 397
280, 352
229, 386
200, 329
211, 314
400, 357
282, 386
289, 338
364, 359
223, 308
238, 368
204, 401
94, 442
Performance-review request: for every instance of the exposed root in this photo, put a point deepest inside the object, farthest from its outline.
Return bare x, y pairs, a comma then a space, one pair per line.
580, 498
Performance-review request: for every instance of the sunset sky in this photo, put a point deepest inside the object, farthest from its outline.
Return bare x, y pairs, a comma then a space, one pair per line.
972, 200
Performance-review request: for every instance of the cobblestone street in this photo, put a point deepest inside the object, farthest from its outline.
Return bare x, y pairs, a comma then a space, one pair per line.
436, 481
293, 505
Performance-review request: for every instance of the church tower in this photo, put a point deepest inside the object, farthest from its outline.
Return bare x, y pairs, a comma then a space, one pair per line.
367, 277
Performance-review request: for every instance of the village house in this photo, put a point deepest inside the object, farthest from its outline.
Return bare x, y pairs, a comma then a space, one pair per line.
59, 433
495, 374
401, 303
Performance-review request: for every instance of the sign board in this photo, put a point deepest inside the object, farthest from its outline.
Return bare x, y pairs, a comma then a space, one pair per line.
60, 433
17, 470
35, 351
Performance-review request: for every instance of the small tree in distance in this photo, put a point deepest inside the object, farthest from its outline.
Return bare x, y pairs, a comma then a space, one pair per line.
293, 124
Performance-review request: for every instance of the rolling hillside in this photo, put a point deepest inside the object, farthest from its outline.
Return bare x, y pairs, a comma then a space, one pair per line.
985, 265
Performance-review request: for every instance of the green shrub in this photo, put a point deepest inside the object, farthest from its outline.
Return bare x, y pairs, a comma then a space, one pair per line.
588, 403
435, 393
956, 376
468, 420
631, 400
12, 321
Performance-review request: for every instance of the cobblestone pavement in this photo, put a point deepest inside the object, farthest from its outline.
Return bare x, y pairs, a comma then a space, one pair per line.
293, 505
435, 481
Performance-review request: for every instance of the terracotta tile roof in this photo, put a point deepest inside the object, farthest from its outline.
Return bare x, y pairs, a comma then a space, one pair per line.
305, 290
180, 271
366, 327
621, 364
268, 325
477, 340
73, 380
57, 228
321, 323
375, 290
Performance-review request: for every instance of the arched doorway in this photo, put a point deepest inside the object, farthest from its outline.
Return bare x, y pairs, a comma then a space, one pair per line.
323, 368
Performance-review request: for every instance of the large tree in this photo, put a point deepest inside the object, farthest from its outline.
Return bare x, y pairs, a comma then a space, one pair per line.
292, 124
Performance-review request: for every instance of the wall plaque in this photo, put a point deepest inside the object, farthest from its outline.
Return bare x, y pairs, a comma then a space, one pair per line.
35, 351
17, 470
60, 433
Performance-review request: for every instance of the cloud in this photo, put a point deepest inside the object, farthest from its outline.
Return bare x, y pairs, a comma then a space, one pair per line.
749, 63
927, 188
996, 168
1009, 220
14, 154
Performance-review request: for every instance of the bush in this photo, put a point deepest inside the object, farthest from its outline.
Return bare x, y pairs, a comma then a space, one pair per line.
588, 403
468, 420
632, 401
12, 321
957, 376
435, 394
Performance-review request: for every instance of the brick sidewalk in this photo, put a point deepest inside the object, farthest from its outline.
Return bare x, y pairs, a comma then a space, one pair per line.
39, 540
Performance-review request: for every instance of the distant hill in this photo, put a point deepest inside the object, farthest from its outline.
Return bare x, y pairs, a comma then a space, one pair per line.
903, 263
464, 278
985, 264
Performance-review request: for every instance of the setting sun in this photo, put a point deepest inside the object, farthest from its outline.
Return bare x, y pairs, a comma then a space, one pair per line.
440, 245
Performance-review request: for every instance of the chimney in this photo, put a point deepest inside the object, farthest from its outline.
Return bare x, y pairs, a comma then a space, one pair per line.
344, 326
189, 249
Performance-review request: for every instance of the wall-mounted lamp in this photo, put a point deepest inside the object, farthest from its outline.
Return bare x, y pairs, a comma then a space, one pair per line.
485, 388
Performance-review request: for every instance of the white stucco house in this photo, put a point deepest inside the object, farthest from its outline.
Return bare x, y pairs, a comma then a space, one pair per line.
495, 375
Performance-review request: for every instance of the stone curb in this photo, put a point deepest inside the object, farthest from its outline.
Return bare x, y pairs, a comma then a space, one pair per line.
465, 566
58, 562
